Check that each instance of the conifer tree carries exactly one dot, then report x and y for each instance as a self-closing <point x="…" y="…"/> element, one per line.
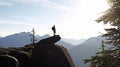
<point x="33" y="36"/>
<point x="101" y="59"/>
<point x="109" y="58"/>
<point x="112" y="17"/>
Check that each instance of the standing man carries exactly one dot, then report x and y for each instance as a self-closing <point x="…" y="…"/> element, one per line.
<point x="54" y="30"/>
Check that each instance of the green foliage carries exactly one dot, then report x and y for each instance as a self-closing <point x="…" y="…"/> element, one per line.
<point x="109" y="58"/>
<point x="113" y="35"/>
<point x="104" y="58"/>
<point x="112" y="16"/>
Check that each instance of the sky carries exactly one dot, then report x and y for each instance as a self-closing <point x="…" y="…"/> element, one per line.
<point x="72" y="18"/>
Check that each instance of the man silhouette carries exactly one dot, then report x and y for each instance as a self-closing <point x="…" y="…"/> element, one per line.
<point x="54" y="30"/>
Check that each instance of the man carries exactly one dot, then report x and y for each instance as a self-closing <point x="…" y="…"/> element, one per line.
<point x="54" y="30"/>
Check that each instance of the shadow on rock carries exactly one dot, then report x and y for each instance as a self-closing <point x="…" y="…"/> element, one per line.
<point x="47" y="54"/>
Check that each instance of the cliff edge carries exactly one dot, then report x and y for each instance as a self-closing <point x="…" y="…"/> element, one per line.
<point x="47" y="54"/>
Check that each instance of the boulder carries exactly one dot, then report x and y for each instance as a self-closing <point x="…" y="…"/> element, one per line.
<point x="47" y="54"/>
<point x="22" y="56"/>
<point x="8" y="61"/>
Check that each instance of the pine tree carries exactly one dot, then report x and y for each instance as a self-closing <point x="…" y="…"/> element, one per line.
<point x="112" y="17"/>
<point x="33" y="36"/>
<point x="109" y="58"/>
<point x="104" y="58"/>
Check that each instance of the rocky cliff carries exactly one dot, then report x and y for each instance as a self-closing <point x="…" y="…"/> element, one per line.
<point x="45" y="53"/>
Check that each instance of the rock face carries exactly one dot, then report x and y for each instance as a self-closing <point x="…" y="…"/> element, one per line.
<point x="21" y="57"/>
<point x="48" y="54"/>
<point x="45" y="53"/>
<point x="8" y="61"/>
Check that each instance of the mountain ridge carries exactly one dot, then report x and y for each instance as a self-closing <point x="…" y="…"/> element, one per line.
<point x="74" y="41"/>
<point x="85" y="50"/>
<point x="24" y="38"/>
<point x="78" y="52"/>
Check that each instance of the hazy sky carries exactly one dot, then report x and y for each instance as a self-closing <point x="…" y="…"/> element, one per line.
<point x="73" y="18"/>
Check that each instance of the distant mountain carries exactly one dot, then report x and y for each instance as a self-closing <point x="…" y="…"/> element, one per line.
<point x="78" y="53"/>
<point x="85" y="50"/>
<point x="65" y="44"/>
<point x="16" y="40"/>
<point x="24" y="38"/>
<point x="1" y="37"/>
<point x="74" y="41"/>
<point x="45" y="36"/>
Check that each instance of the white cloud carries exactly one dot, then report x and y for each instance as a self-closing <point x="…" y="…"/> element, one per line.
<point x="3" y="3"/>
<point x="73" y="21"/>
<point x="30" y="1"/>
<point x="16" y="23"/>
<point x="80" y="22"/>
<point x="44" y="3"/>
<point x="20" y="26"/>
